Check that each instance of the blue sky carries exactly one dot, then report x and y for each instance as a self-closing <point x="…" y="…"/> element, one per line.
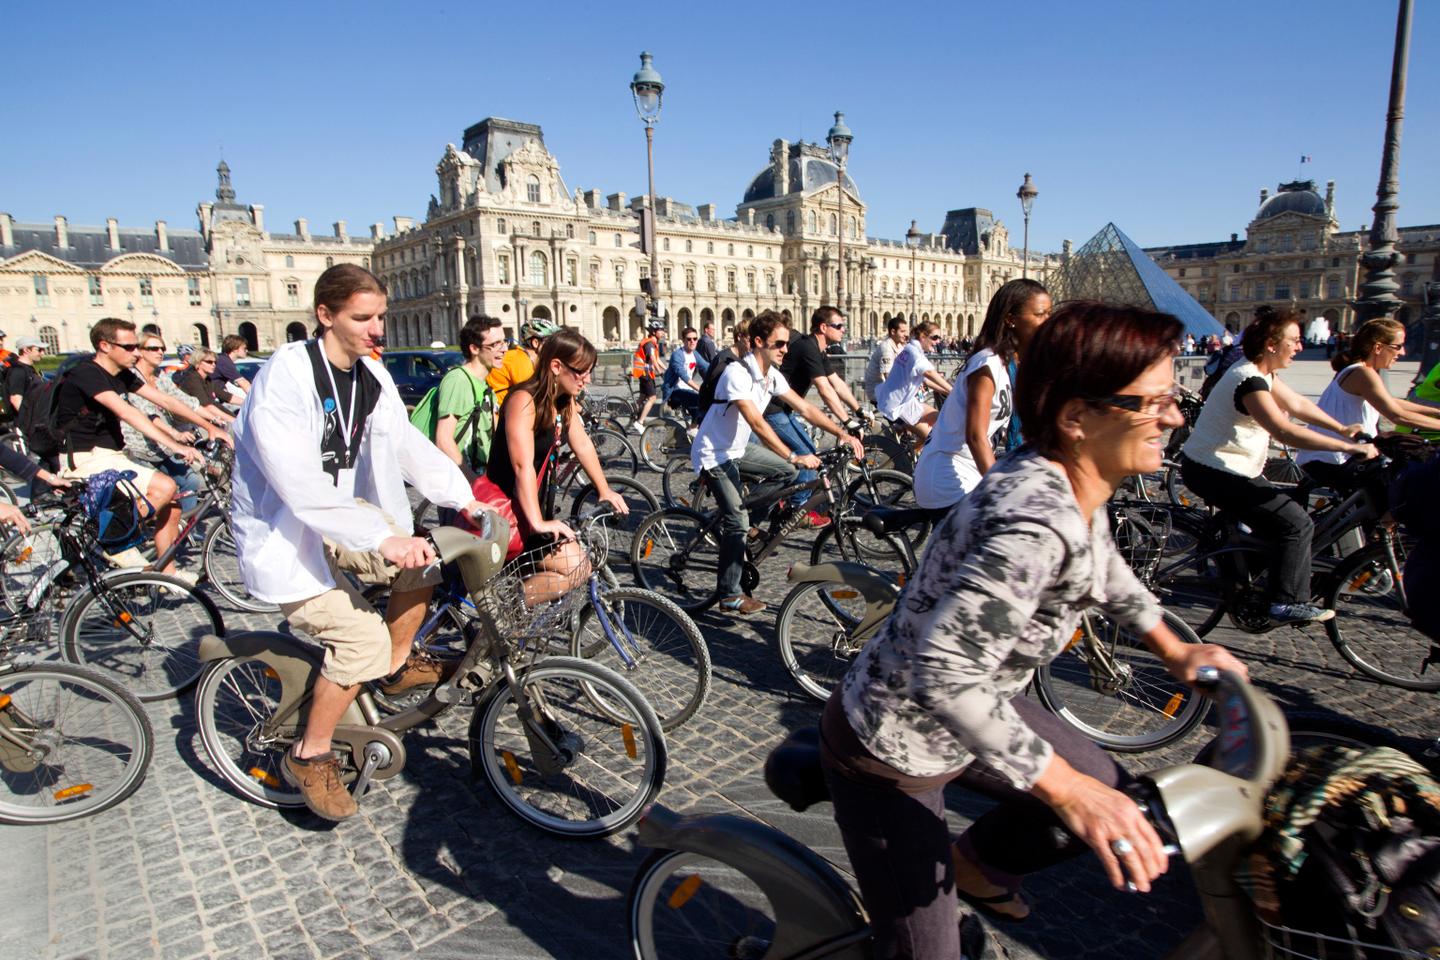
<point x="1166" y="118"/>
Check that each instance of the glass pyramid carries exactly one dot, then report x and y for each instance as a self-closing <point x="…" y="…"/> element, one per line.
<point x="1111" y="267"/>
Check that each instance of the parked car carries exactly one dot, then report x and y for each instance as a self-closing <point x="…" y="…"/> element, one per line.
<point x="416" y="371"/>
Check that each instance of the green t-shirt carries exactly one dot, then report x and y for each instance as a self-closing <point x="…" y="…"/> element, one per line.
<point x="460" y="390"/>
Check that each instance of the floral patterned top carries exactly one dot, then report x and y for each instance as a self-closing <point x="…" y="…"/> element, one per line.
<point x="137" y="445"/>
<point x="999" y="592"/>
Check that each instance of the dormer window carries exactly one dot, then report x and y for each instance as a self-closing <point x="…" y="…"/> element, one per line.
<point x="532" y="189"/>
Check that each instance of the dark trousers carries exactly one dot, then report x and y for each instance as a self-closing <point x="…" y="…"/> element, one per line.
<point x="1271" y="513"/>
<point x="894" y="830"/>
<point x="763" y="471"/>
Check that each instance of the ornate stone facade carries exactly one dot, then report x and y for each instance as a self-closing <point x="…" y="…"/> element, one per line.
<point x="194" y="286"/>
<point x="1294" y="252"/>
<point x="506" y="237"/>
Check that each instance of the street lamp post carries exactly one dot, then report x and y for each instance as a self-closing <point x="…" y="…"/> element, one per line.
<point x="1027" y="194"/>
<point x="647" y="88"/>
<point x="1377" y="298"/>
<point x="912" y="240"/>
<point x="839" y="139"/>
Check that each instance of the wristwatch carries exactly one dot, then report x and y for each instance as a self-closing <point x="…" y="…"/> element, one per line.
<point x="792" y="458"/>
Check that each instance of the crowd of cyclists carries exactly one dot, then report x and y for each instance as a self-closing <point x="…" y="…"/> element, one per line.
<point x="1051" y="411"/>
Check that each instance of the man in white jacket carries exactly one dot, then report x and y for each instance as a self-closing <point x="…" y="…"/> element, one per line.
<point x="323" y="451"/>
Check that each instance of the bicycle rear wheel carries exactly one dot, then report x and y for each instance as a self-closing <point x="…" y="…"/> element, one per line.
<point x="676" y="553"/>
<point x="141" y="629"/>
<point x="620" y="528"/>
<point x="617" y="456"/>
<point x="1193" y="589"/>
<point x="74" y="743"/>
<point x="669" y="660"/>
<point x="846" y="539"/>
<point x="1115" y="691"/>
<point x="813" y="631"/>
<point x="234" y="701"/>
<point x="686" y="906"/>
<point x="571" y="768"/>
<point x="1371" y="629"/>
<point x="221" y="562"/>
<point x="680" y="484"/>
<point x="662" y="438"/>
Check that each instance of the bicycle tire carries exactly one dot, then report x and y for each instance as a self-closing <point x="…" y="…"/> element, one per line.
<point x="24" y="558"/>
<point x="1192" y="588"/>
<point x="621" y="411"/>
<point x="617" y="456"/>
<point x="846" y="539"/>
<point x="670" y="659"/>
<point x="676" y="554"/>
<point x="812" y="633"/>
<point x="221" y="562"/>
<point x="1370" y="628"/>
<point x="545" y="792"/>
<point x="7" y="495"/>
<point x="680" y="484"/>
<point x="234" y="697"/>
<point x="619" y="527"/>
<point x="662" y="438"/>
<point x="721" y="912"/>
<point x="90" y="731"/>
<point x="1122" y="714"/>
<point x="891" y="488"/>
<point x="886" y="453"/>
<point x="99" y="626"/>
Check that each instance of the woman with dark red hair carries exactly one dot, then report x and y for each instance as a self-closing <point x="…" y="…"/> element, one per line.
<point x="938" y="696"/>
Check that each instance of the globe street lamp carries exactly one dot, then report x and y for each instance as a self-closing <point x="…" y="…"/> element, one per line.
<point x="912" y="240"/>
<point x="647" y="88"/>
<point x="1027" y="194"/>
<point x="839" y="139"/>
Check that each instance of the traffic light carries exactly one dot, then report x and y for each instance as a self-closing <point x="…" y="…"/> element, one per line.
<point x="646" y="229"/>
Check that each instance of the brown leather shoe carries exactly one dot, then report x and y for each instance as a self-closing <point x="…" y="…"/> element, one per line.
<point x="319" y="781"/>
<point x="742" y="605"/>
<point x="421" y="669"/>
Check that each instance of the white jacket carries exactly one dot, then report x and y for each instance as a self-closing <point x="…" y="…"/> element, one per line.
<point x="284" y="505"/>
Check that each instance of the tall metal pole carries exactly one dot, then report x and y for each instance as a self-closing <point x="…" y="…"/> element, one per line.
<point x="839" y="139"/>
<point x="1377" y="293"/>
<point x="1027" y="194"/>
<point x="912" y="237"/>
<point x="650" y="168"/>
<point x="840" y="228"/>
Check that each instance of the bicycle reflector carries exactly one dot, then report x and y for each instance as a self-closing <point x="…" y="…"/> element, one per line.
<point x="511" y="765"/>
<point x="682" y="894"/>
<point x="4" y="700"/>
<point x="70" y="793"/>
<point x="627" y="733"/>
<point x="1174" y="704"/>
<point x="265" y="777"/>
<point x="844" y="594"/>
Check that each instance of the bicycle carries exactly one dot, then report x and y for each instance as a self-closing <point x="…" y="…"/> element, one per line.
<point x="567" y="745"/>
<point x="637" y="633"/>
<point x="675" y="551"/>
<point x="73" y="743"/>
<point x="1226" y="576"/>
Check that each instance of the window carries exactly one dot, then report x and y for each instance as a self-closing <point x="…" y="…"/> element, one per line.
<point x="750" y="250"/>
<point x="644" y="270"/>
<point x="535" y="229"/>
<point x="1334" y="261"/>
<point x="689" y="246"/>
<point x="618" y="241"/>
<point x="51" y="337"/>
<point x="1259" y="289"/>
<point x="709" y="246"/>
<point x="502" y="267"/>
<point x="815" y="284"/>
<point x="1182" y="271"/>
<point x="147" y="292"/>
<point x="769" y="221"/>
<point x="242" y="292"/>
<point x="594" y="274"/>
<point x="709" y="279"/>
<point x="620" y="275"/>
<point x="665" y="243"/>
<point x="42" y="290"/>
<point x="532" y="189"/>
<point x="1307" y="242"/>
<point x="730" y="249"/>
<point x="592" y="238"/>
<point x="730" y="281"/>
<point x="689" y="278"/>
<point x="1287" y="242"/>
<point x="1264" y="244"/>
<point x="1234" y="291"/>
<point x="1407" y="285"/>
<point x="1306" y="263"/>
<point x="667" y="274"/>
<point x="570" y="272"/>
<point x="834" y="225"/>
<point x="569" y="231"/>
<point x="97" y="293"/>
<point x="770" y="284"/>
<point x="810" y="222"/>
<point x="289" y="260"/>
<point x="789" y="221"/>
<point x="1304" y="289"/>
<point x="749" y="281"/>
<point x="1332" y="288"/>
<point x="292" y="293"/>
<point x="537" y="269"/>
<point x="329" y="262"/>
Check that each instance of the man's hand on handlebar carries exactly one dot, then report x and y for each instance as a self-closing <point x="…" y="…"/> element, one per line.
<point x="1364" y="451"/>
<point x="186" y="452"/>
<point x="807" y="461"/>
<point x="855" y="445"/>
<point x="407" y="552"/>
<point x="11" y="516"/>
<point x="218" y="432"/>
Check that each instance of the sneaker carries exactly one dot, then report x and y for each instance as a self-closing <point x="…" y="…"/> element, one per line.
<point x="742" y="605"/>
<point x="319" y="782"/>
<point x="814" y="519"/>
<point x="420" y="669"/>
<point x="1299" y="613"/>
<point x="637" y="426"/>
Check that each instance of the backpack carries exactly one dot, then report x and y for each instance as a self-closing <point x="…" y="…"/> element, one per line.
<point x="426" y="416"/>
<point x="1217" y="364"/>
<point x="1351" y="849"/>
<point x="712" y="381"/>
<point x="119" y="509"/>
<point x="39" y="417"/>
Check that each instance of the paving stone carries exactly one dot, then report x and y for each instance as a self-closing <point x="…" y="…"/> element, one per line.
<point x="192" y="946"/>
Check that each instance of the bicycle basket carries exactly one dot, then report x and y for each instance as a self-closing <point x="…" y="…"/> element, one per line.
<point x="532" y="599"/>
<point x="1285" y="943"/>
<point x="119" y="509"/>
<point x="1140" y="531"/>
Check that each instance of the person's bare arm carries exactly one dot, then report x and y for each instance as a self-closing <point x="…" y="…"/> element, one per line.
<point x="111" y="401"/>
<point x="769" y="437"/>
<point x="584" y="450"/>
<point x="846" y="395"/>
<point x="1304" y="409"/>
<point x="831" y="397"/>
<point x="1262" y="406"/>
<point x="445" y="438"/>
<point x="182" y="410"/>
<point x="815" y="415"/>
<point x="1366" y="384"/>
<point x="979" y="394"/>
<point x="938" y="383"/>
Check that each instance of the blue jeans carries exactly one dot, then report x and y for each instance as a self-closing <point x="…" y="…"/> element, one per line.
<point x="761" y="469"/>
<point x="185" y="479"/>
<point x="794" y="435"/>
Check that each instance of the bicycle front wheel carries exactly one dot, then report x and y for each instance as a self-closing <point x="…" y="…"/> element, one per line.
<point x="815" y="631"/>
<point x="847" y="539"/>
<point x="676" y="553"/>
<point x="142" y="629"/>
<point x="680" y="484"/>
<point x="1371" y="628"/>
<point x="221" y="562"/>
<point x="664" y="655"/>
<point x="662" y="438"/>
<point x="72" y="743"/>
<point x="617" y="456"/>
<point x="686" y="906"/>
<point x="234" y="705"/>
<point x="559" y="761"/>
<point x="24" y="558"/>
<point x="1113" y="689"/>
<point x="619" y="527"/>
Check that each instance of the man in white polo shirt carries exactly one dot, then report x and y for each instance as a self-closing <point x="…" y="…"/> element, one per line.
<point x="744" y="390"/>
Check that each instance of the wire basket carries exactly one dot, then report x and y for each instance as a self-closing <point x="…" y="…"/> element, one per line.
<point x="529" y="600"/>
<point x="1140" y="530"/>
<point x="1285" y="943"/>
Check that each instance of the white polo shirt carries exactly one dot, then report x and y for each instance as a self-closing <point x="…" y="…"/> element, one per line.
<point x="724" y="433"/>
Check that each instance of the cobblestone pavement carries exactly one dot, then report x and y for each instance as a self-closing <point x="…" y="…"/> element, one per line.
<point x="435" y="867"/>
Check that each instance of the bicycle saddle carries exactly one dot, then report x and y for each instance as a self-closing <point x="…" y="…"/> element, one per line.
<point x="881" y="520"/>
<point x="792" y="771"/>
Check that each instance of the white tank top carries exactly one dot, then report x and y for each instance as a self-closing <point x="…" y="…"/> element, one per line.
<point x="1346" y="408"/>
<point x="1225" y="436"/>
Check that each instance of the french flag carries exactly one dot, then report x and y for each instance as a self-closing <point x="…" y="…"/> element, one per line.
<point x="1305" y="158"/>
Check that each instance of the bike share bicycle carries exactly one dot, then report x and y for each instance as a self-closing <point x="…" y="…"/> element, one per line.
<point x="568" y="745"/>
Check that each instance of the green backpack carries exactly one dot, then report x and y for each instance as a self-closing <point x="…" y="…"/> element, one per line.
<point x="426" y="415"/>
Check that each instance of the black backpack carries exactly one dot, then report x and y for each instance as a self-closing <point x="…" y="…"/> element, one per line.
<point x="712" y="381"/>
<point x="39" y="417"/>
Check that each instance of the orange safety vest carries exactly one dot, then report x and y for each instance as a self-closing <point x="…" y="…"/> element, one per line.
<point x="641" y="365"/>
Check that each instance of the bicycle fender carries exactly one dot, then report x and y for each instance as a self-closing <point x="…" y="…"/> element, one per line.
<point x="296" y="663"/>
<point x="802" y="887"/>
<point x="872" y="585"/>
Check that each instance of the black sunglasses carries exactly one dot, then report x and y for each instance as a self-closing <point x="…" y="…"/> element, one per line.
<point x="131" y="347"/>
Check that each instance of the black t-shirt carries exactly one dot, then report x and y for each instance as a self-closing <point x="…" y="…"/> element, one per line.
<point x="835" y="360"/>
<point x="89" y="424"/>
<point x="802" y="366"/>
<point x="357" y="404"/>
<point x="18" y="377"/>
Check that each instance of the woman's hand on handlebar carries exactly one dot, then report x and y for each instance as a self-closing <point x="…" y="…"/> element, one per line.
<point x="615" y="500"/>
<point x="558" y="529"/>
<point x="1108" y="821"/>
<point x="407" y="552"/>
<point x="1190" y="657"/>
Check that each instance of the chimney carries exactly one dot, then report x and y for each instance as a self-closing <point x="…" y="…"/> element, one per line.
<point x="403" y="224"/>
<point x="62" y="234"/>
<point x="377" y="231"/>
<point x="1234" y="237"/>
<point x="592" y="199"/>
<point x="1330" y="199"/>
<point x="750" y="216"/>
<point x="616" y="201"/>
<point x="340" y="232"/>
<point x="206" y="210"/>
<point x="7" y="231"/>
<point x="706" y="212"/>
<point x="302" y="227"/>
<point x="780" y="163"/>
<point x="1264" y="195"/>
<point x="257" y="216"/>
<point x="162" y="236"/>
<point x="112" y="229"/>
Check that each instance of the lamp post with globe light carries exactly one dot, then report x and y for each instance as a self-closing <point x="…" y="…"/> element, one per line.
<point x="1027" y="194"/>
<point x="912" y="240"/>
<point x="839" y="139"/>
<point x="647" y="88"/>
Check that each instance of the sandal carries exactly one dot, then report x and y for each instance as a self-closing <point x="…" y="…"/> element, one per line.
<point x="990" y="904"/>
